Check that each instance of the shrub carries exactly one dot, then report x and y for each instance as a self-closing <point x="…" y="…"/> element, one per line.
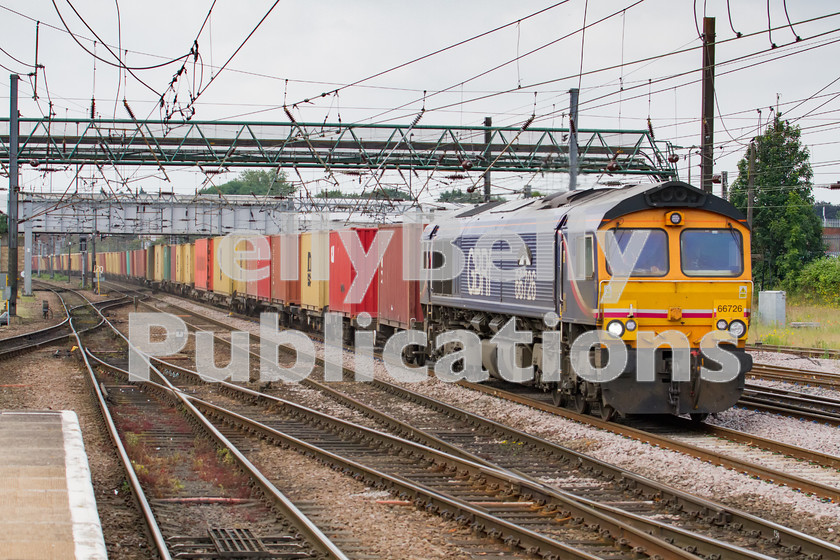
<point x="819" y="281"/>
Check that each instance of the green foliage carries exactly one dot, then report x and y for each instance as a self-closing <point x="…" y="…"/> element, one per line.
<point x="4" y="227"/>
<point x="818" y="282"/>
<point x="259" y="182"/>
<point x="787" y="233"/>
<point x="457" y="195"/>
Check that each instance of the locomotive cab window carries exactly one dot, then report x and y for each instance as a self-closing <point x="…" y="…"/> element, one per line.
<point x="711" y="252"/>
<point x="584" y="257"/>
<point x="653" y="258"/>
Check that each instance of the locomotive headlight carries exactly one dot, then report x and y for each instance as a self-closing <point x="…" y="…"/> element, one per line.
<point x="673" y="218"/>
<point x="738" y="328"/>
<point x="631" y="325"/>
<point x="721" y="324"/>
<point x="615" y="328"/>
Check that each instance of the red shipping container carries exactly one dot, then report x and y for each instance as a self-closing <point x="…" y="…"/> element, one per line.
<point x="173" y="253"/>
<point x="204" y="264"/>
<point x="399" y="298"/>
<point x="343" y="273"/>
<point x="257" y="265"/>
<point x="285" y="256"/>
<point x="141" y="263"/>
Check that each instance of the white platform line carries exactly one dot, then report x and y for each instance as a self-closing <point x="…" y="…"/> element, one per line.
<point x="87" y="530"/>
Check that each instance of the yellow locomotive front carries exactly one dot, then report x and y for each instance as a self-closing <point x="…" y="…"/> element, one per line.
<point x="685" y="295"/>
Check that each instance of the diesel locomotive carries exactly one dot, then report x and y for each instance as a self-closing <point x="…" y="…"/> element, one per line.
<point x="678" y="266"/>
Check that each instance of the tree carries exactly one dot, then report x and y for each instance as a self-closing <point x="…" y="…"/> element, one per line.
<point x="457" y="195"/>
<point x="4" y="228"/>
<point x="258" y="182"/>
<point x="786" y="232"/>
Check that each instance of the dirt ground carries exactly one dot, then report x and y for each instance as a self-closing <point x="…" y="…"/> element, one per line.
<point x="29" y="314"/>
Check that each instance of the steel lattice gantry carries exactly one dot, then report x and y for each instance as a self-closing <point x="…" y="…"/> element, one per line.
<point x="221" y="144"/>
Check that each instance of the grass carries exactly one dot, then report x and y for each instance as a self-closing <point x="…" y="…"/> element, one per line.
<point x="827" y="335"/>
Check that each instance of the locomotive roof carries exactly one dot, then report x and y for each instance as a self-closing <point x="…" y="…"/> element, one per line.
<point x="590" y="207"/>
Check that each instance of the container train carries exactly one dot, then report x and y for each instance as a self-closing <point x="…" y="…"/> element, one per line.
<point x="557" y="264"/>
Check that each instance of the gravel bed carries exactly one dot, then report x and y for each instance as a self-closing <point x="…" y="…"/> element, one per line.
<point x="810" y="435"/>
<point x="783" y="505"/>
<point x="59" y="384"/>
<point x="793" y="361"/>
<point x="392" y="532"/>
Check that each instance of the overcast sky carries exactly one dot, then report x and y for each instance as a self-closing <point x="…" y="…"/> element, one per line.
<point x="306" y="48"/>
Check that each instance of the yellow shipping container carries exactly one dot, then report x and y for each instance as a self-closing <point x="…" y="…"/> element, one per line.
<point x="184" y="263"/>
<point x="222" y="261"/>
<point x="314" y="270"/>
<point x="240" y="286"/>
<point x="189" y="265"/>
<point x="159" y="257"/>
<point x="179" y="263"/>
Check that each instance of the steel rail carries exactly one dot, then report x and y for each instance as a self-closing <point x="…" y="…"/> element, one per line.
<point x="653" y="488"/>
<point x="154" y="532"/>
<point x="313" y="535"/>
<point x="23" y="342"/>
<point x="798" y="376"/>
<point x="800" y="351"/>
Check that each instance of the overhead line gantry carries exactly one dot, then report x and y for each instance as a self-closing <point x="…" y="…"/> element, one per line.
<point x="339" y="146"/>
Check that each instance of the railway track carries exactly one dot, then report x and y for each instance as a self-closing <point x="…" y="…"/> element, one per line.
<point x="464" y="442"/>
<point x="153" y="438"/>
<point x="16" y="345"/>
<point x="792" y="403"/>
<point x="796" y="376"/>
<point x="797" y="350"/>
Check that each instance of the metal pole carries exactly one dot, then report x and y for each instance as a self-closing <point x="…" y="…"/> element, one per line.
<point x="707" y="122"/>
<point x="488" y="136"/>
<point x="724" y="185"/>
<point x="93" y="251"/>
<point x="27" y="257"/>
<point x="751" y="184"/>
<point x="14" y="188"/>
<point x="83" y="260"/>
<point x="573" y="145"/>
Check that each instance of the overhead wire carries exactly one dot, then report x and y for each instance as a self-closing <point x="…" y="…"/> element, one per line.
<point x="438" y="51"/>
<point x="613" y="67"/>
<point x="93" y="54"/>
<point x="239" y="48"/>
<point x="583" y="38"/>
<point x="506" y="63"/>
